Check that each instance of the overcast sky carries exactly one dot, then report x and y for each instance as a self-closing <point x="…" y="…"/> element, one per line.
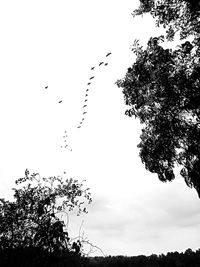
<point x="55" y="44"/>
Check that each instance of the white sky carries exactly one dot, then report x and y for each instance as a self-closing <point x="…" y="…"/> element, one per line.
<point x="55" y="43"/>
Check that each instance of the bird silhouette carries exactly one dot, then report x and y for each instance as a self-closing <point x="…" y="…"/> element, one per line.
<point x="86" y="95"/>
<point x="85" y="100"/>
<point x="91" y="77"/>
<point x="60" y="101"/>
<point x="88" y="83"/>
<point x="79" y="127"/>
<point x="92" y="68"/>
<point x="105" y="64"/>
<point x="101" y="63"/>
<point x="84" y="106"/>
<point x="87" y="90"/>
<point x="84" y="112"/>
<point x="46" y="87"/>
<point x="108" y="54"/>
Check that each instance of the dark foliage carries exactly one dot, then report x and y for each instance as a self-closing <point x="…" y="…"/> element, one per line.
<point x="162" y="89"/>
<point x="174" y="15"/>
<point x="31" y="230"/>
<point x="172" y="259"/>
<point x="36" y="257"/>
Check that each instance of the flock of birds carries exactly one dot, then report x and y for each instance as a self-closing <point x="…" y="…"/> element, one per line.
<point x="85" y="105"/>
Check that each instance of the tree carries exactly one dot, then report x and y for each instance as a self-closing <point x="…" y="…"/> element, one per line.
<point x="33" y="219"/>
<point x="162" y="89"/>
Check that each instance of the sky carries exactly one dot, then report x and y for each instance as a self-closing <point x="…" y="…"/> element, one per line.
<point x="55" y="44"/>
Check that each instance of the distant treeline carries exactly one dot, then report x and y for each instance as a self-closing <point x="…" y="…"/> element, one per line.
<point x="34" y="257"/>
<point x="172" y="259"/>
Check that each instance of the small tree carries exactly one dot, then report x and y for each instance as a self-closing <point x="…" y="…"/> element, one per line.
<point x="33" y="219"/>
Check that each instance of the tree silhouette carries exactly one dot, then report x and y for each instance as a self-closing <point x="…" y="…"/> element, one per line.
<point x="162" y="89"/>
<point x="33" y="219"/>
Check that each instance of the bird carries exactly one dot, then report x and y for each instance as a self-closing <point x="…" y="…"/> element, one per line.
<point x="46" y="87"/>
<point x="84" y="106"/>
<point x="79" y="127"/>
<point x="84" y="112"/>
<point x="105" y="64"/>
<point x="88" y="83"/>
<point x="101" y="63"/>
<point x="92" y="68"/>
<point x="86" y="95"/>
<point x="85" y="100"/>
<point x="87" y="90"/>
<point x="91" y="77"/>
<point x="82" y="119"/>
<point x="108" y="54"/>
<point x="60" y="101"/>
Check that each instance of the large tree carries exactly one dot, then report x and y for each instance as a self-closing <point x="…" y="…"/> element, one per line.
<point x="162" y="89"/>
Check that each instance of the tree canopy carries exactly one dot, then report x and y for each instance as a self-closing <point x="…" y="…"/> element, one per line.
<point x="162" y="89"/>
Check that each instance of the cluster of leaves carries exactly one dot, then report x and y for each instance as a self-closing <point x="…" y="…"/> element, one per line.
<point x="162" y="89"/>
<point x="33" y="219"/>
<point x="174" y="15"/>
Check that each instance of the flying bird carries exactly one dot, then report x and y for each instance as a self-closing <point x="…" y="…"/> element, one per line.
<point x="88" y="83"/>
<point x="79" y="127"/>
<point x="85" y="100"/>
<point x="84" y="112"/>
<point x="86" y="95"/>
<point x="84" y="106"/>
<point x="91" y="77"/>
<point x="105" y="64"/>
<point x="92" y="68"/>
<point x="46" y="87"/>
<point x="100" y="63"/>
<point x="108" y="54"/>
<point x="87" y="90"/>
<point x="60" y="101"/>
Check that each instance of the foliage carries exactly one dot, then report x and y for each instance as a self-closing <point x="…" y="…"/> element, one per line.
<point x="174" y="15"/>
<point x="33" y="219"/>
<point x="162" y="90"/>
<point x="171" y="259"/>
